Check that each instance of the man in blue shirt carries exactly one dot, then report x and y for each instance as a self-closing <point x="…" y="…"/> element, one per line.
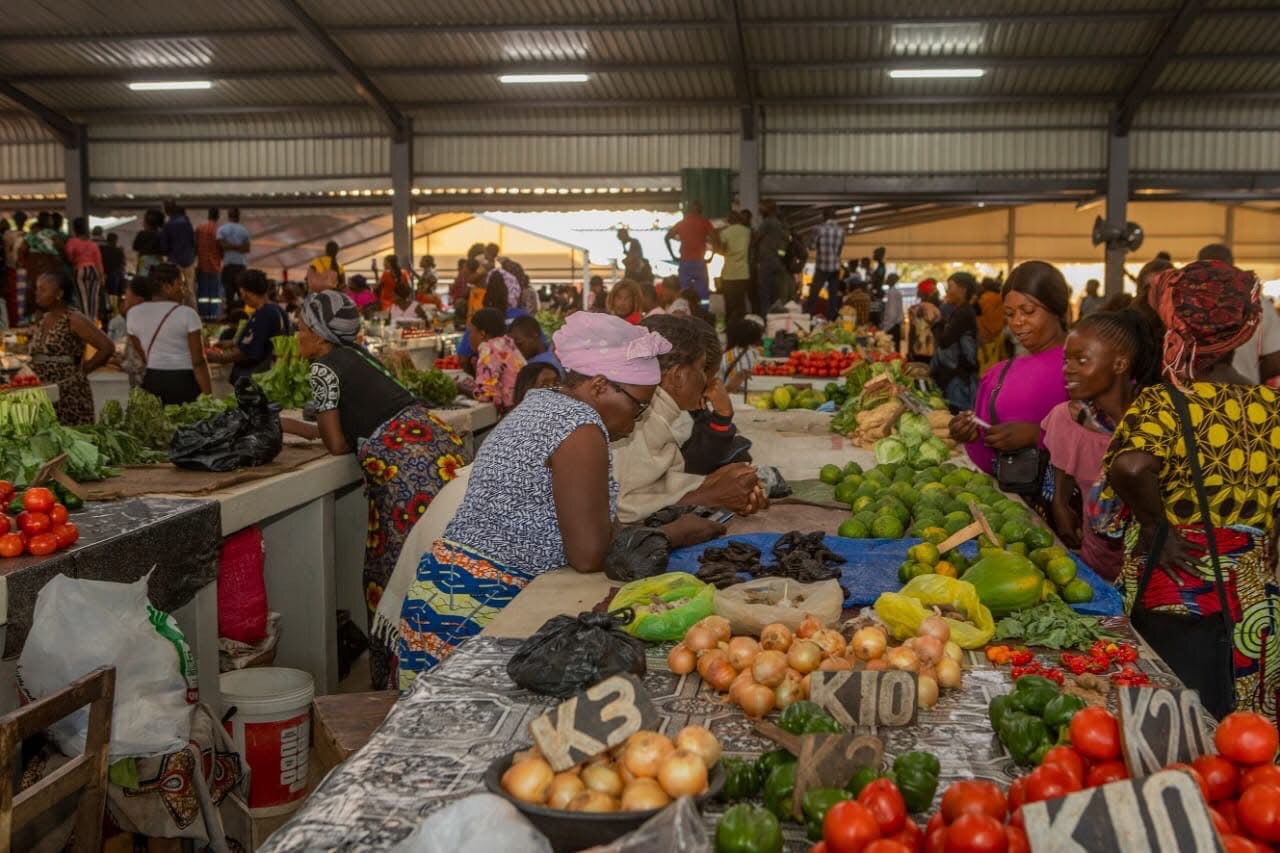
<point x="178" y="242"/>
<point x="233" y="238"/>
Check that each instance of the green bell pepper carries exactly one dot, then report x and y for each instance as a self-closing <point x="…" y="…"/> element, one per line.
<point x="748" y="829"/>
<point x="998" y="707"/>
<point x="1028" y="681"/>
<point x="741" y="779"/>
<point x="72" y="502"/>
<point x="807" y="718"/>
<point x="1032" y="700"/>
<point x="778" y="789"/>
<point x="1061" y="708"/>
<point x="917" y="776"/>
<point x="815" y="805"/>
<point x="862" y="779"/>
<point x="766" y="763"/>
<point x="1024" y="735"/>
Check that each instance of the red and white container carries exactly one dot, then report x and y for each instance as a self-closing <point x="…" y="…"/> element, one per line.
<point x="271" y="728"/>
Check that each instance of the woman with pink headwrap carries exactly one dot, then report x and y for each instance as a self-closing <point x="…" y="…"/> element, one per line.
<point x="541" y="493"/>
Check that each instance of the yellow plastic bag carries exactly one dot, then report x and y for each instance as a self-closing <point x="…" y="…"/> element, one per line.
<point x="666" y="606"/>
<point x="904" y="611"/>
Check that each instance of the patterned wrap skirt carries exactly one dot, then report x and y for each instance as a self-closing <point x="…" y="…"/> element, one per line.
<point x="405" y="463"/>
<point x="456" y="593"/>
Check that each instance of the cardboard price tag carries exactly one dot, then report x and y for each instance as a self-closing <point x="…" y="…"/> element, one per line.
<point x="866" y="699"/>
<point x="597" y="719"/>
<point x="1159" y="727"/>
<point x="824" y="760"/>
<point x="1164" y="812"/>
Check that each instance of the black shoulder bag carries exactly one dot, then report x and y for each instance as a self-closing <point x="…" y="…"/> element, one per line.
<point x="1197" y="648"/>
<point x="1018" y="471"/>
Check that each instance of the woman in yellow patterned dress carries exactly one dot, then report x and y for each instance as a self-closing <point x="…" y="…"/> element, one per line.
<point x="1208" y="309"/>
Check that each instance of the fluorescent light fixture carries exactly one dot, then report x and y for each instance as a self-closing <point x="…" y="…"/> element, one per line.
<point x="170" y="85"/>
<point x="544" y="78"/>
<point x="935" y="73"/>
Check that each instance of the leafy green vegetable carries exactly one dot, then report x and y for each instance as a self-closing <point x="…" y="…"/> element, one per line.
<point x="890" y="450"/>
<point x="433" y="387"/>
<point x="1051" y="624"/>
<point x="30" y="435"/>
<point x="550" y="321"/>
<point x="288" y="382"/>
<point x="201" y="409"/>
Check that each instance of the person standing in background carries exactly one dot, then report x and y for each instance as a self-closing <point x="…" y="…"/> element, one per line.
<point x="1092" y="302"/>
<point x="392" y="277"/>
<point x="209" y="268"/>
<point x="13" y="239"/>
<point x="85" y="260"/>
<point x="992" y="341"/>
<point x="233" y="242"/>
<point x="634" y="265"/>
<point x="178" y="240"/>
<point x="770" y="242"/>
<point x="325" y="273"/>
<point x="891" y="322"/>
<point x="43" y="255"/>
<point x="828" y="241"/>
<point x="458" y="295"/>
<point x="695" y="232"/>
<point x="735" y="278"/>
<point x="146" y="243"/>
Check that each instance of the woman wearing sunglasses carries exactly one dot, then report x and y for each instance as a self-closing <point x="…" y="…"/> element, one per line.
<point x="541" y="493"/>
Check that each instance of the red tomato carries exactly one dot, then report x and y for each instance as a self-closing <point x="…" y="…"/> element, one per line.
<point x="976" y="833"/>
<point x="1017" y="792"/>
<point x="1095" y="734"/>
<point x="6" y="491"/>
<point x="42" y="544"/>
<point x="11" y="545"/>
<point x="887" y="845"/>
<point x="936" y="841"/>
<point x="38" y="499"/>
<point x="1261" y="773"/>
<point x="65" y="534"/>
<point x="6" y="524"/>
<point x="1246" y="738"/>
<point x="1016" y="839"/>
<point x="58" y="514"/>
<point x="1104" y="773"/>
<point x="1220" y="824"/>
<point x="1220" y="776"/>
<point x="935" y="823"/>
<point x="884" y="800"/>
<point x="1227" y="808"/>
<point x="1240" y="844"/>
<point x="910" y="836"/>
<point x="1016" y="819"/>
<point x="1258" y="811"/>
<point x="849" y="827"/>
<point x="1049" y="782"/>
<point x="820" y="847"/>
<point x="1194" y="774"/>
<point x="1067" y="759"/>
<point x="33" y="523"/>
<point x="971" y="796"/>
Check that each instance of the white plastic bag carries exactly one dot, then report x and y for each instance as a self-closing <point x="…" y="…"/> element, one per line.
<point x="80" y="625"/>
<point x="481" y="823"/>
<point x="752" y="605"/>
<point x="678" y="828"/>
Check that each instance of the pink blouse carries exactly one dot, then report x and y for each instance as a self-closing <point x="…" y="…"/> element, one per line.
<point x="1032" y="388"/>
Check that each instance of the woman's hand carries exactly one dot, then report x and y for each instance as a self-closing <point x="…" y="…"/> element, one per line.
<point x="1173" y="555"/>
<point x="1067" y="523"/>
<point x="731" y="487"/>
<point x="1012" y="436"/>
<point x="692" y="529"/>
<point x="963" y="428"/>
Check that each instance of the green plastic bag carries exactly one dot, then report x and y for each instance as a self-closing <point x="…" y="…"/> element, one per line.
<point x="681" y="601"/>
<point x="904" y="611"/>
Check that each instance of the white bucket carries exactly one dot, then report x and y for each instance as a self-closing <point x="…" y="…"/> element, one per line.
<point x="271" y="728"/>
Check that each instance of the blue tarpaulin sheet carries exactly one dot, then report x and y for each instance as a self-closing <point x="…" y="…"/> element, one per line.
<point x="872" y="568"/>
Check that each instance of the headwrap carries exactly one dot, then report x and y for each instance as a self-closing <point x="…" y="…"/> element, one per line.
<point x="332" y="315"/>
<point x="926" y="287"/>
<point x="605" y="345"/>
<point x="1208" y="309"/>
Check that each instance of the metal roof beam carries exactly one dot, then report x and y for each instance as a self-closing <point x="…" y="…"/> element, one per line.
<point x="334" y="55"/>
<point x="1157" y="60"/>
<point x="68" y="132"/>
<point x="731" y="18"/>
<point x="1099" y="16"/>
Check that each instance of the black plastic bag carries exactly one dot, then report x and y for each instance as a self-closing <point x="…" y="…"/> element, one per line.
<point x="243" y="437"/>
<point x="571" y="653"/>
<point x="637" y="552"/>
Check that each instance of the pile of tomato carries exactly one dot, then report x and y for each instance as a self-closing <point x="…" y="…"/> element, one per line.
<point x="823" y="364"/>
<point x="40" y="527"/>
<point x="449" y="362"/>
<point x="28" y="380"/>
<point x="774" y="368"/>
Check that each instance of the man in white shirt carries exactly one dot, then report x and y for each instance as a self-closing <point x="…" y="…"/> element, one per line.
<point x="892" y="320"/>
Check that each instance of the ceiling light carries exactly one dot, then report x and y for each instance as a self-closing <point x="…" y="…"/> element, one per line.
<point x="935" y="73"/>
<point x="544" y="78"/>
<point x="170" y="85"/>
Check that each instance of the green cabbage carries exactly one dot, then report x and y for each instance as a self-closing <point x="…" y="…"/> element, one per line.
<point x="933" y="450"/>
<point x="890" y="451"/>
<point x="913" y="429"/>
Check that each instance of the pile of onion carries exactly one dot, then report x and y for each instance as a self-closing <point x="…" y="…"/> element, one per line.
<point x="646" y="772"/>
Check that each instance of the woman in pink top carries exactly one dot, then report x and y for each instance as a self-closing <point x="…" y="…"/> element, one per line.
<point x="1107" y="358"/>
<point x="1015" y="396"/>
<point x="498" y="360"/>
<point x="85" y="259"/>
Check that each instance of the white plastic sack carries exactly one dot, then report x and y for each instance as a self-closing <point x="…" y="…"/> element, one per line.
<point x="80" y="625"/>
<point x="751" y="606"/>
<point x="481" y="823"/>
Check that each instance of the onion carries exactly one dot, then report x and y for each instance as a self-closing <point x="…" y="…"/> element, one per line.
<point x="531" y="752"/>
<point x="869" y="643"/>
<point x="719" y="627"/>
<point x="948" y="673"/>
<point x="927" y="691"/>
<point x="769" y="667"/>
<point x="529" y="780"/>
<point x="928" y="649"/>
<point x="744" y="679"/>
<point x="756" y="700"/>
<point x="952" y="650"/>
<point x="707" y="659"/>
<point x="808" y="627"/>
<point x="700" y="741"/>
<point x="700" y="638"/>
<point x="776" y="637"/>
<point x="645" y="751"/>
<point x="902" y="658"/>
<point x="719" y="674"/>
<point x="934" y="626"/>
<point x="835" y="664"/>
<point x="877" y="665"/>
<point x="593" y="801"/>
<point x="804" y="656"/>
<point x="831" y="642"/>
<point x="789" y="691"/>
<point x="643" y="795"/>
<point x="604" y="779"/>
<point x="564" y="787"/>
<point x="804" y="686"/>
<point x="683" y="774"/>
<point x="927" y="671"/>
<point x="742" y="651"/>
<point x="627" y="776"/>
<point x="681" y="659"/>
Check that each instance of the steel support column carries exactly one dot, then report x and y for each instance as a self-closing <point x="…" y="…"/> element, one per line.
<point x="1117" y="206"/>
<point x="75" y="173"/>
<point x="749" y="175"/>
<point x="402" y="199"/>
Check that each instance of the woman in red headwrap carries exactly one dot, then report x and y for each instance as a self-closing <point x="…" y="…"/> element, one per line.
<point x="1216" y="582"/>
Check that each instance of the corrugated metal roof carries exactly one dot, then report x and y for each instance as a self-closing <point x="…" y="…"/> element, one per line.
<point x="112" y="17"/>
<point x="278" y="89"/>
<point x="187" y="54"/>
<point x="366" y="12"/>
<point x="515" y="122"/>
<point x="894" y="9"/>
<point x="817" y="118"/>
<point x="715" y="84"/>
<point x="1100" y="80"/>
<point x="1219" y="77"/>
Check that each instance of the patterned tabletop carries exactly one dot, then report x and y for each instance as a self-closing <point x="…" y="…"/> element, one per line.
<point x="440" y="738"/>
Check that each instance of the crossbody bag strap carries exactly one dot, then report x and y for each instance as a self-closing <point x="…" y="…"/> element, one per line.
<point x="156" y="333"/>
<point x="1197" y="479"/>
<point x="991" y="403"/>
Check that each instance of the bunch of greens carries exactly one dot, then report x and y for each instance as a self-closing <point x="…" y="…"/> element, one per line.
<point x="144" y="419"/>
<point x="433" y="387"/>
<point x="120" y="447"/>
<point x="30" y="435"/>
<point x="1051" y="624"/>
<point x="550" y="321"/>
<point x="201" y="409"/>
<point x="288" y="382"/>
